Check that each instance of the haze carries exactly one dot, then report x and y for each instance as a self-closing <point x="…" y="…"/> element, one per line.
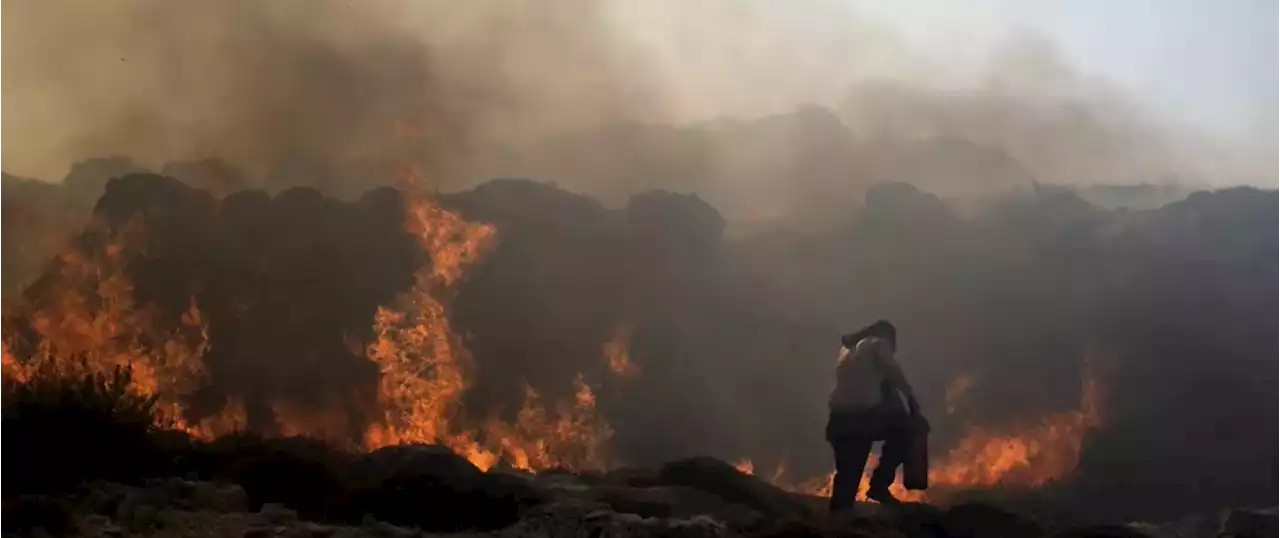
<point x="158" y="82"/>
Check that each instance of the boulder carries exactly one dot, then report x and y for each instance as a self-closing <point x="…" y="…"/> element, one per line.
<point x="720" y="478"/>
<point x="447" y="502"/>
<point x="306" y="475"/>
<point x="415" y="460"/>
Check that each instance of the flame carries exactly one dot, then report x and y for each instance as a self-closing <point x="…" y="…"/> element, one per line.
<point x="616" y="351"/>
<point x="575" y="438"/>
<point x="822" y="485"/>
<point x="326" y="421"/>
<point x="424" y="365"/>
<point x="1032" y="457"/>
<point x="232" y="418"/>
<point x="93" y="325"/>
<point x="420" y="358"/>
<point x="1027" y="458"/>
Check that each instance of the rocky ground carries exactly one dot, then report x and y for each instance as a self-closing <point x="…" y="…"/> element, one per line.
<point x="428" y="491"/>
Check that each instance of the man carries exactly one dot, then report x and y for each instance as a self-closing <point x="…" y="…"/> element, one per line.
<point x="864" y="408"/>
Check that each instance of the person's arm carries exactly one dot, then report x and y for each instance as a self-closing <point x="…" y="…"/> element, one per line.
<point x="893" y="372"/>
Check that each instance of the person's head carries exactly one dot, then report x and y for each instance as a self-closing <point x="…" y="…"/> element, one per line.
<point x="881" y="329"/>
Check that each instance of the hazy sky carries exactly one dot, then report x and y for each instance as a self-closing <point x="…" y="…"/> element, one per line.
<point x="1212" y="63"/>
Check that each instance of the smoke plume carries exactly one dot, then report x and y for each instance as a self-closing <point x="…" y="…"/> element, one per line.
<point x="716" y="197"/>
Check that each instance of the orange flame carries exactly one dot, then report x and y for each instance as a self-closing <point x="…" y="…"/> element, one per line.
<point x="822" y="485"/>
<point x="1028" y="458"/>
<point x="424" y="365"/>
<point x="616" y="351"/>
<point x="93" y="325"/>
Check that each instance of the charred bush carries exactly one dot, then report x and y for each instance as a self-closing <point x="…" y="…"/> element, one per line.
<point x="65" y="428"/>
<point x="305" y="475"/>
<point x="430" y="487"/>
<point x="440" y="504"/>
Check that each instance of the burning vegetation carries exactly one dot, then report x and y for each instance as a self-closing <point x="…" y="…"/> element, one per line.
<point x="91" y="324"/>
<point x="487" y="322"/>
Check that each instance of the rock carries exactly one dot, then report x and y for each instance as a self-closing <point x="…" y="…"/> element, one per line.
<point x="103" y="498"/>
<point x="171" y="493"/>
<point x="978" y="520"/>
<point x="278" y="514"/>
<point x="411" y="460"/>
<point x="434" y="503"/>
<point x="308" y="529"/>
<point x="1246" y="523"/>
<point x="221" y="499"/>
<point x="306" y="475"/>
<point x="596" y="520"/>
<point x="676" y="502"/>
<point x="720" y="478"/>
<point x="143" y="518"/>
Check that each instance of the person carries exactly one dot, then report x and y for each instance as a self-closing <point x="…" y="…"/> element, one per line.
<point x="865" y="407"/>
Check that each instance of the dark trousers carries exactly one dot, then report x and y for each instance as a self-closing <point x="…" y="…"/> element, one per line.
<point x="852" y="452"/>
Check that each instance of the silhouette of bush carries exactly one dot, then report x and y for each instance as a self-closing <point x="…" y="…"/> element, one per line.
<point x="306" y="475"/>
<point x="67" y="427"/>
<point x="445" y="504"/>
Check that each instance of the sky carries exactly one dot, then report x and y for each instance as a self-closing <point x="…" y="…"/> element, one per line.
<point x="1212" y="64"/>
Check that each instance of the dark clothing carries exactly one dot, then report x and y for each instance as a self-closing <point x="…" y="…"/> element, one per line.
<point x="851" y="434"/>
<point x="851" y="457"/>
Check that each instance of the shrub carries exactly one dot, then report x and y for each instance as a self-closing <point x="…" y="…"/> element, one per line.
<point x="63" y="428"/>
<point x="305" y="475"/>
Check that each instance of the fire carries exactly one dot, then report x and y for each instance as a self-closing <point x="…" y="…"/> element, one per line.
<point x="616" y="351"/>
<point x="1028" y="458"/>
<point x="425" y="366"/>
<point x="232" y="418"/>
<point x="575" y="438"/>
<point x="326" y="421"/>
<point x="822" y="485"/>
<point x="92" y="324"/>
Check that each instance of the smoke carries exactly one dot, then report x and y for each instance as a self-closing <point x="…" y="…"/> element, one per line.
<point x="837" y="177"/>
<point x="608" y="98"/>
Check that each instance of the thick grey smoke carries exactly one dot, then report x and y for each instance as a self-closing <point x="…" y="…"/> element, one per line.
<point x="608" y="98"/>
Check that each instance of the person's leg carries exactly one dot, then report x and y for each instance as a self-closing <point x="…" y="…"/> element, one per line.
<point x="892" y="454"/>
<point x="851" y="456"/>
